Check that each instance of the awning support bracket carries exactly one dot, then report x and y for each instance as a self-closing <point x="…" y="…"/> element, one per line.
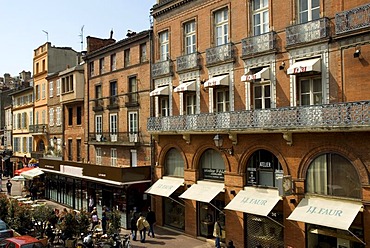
<point x="177" y="201"/>
<point x="275" y="221"/>
<point x="354" y="235"/>
<point x="217" y="208"/>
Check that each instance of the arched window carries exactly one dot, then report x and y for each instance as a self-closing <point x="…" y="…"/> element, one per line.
<point x="332" y="174"/>
<point x="212" y="165"/>
<point x="263" y="169"/>
<point x="174" y="164"/>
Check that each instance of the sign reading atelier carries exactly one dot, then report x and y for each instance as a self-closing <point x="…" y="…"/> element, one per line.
<point x="326" y="212"/>
<point x="252" y="200"/>
<point x="165" y="187"/>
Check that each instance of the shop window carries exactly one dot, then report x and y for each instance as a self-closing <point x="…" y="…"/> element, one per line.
<point x="174" y="213"/>
<point x="208" y="214"/>
<point x="174" y="164"/>
<point x="264" y="169"/>
<point x="212" y="166"/>
<point x="332" y="174"/>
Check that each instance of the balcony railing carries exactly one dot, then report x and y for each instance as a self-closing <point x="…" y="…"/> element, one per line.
<point x="119" y="137"/>
<point x="38" y="128"/>
<point x="98" y="105"/>
<point x="132" y="99"/>
<point x="307" y="32"/>
<point x="258" y="44"/>
<point x="220" y="54"/>
<point x="333" y="116"/>
<point x="188" y="62"/>
<point x="353" y="19"/>
<point x="113" y="102"/>
<point x="162" y="68"/>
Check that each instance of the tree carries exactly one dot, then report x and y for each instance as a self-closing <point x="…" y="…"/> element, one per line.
<point x="20" y="217"/>
<point x="4" y="205"/>
<point x="41" y="215"/>
<point x="114" y="218"/>
<point x="84" y="221"/>
<point x="69" y="225"/>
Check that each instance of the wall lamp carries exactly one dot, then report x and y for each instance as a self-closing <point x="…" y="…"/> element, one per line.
<point x="233" y="192"/>
<point x="357" y="52"/>
<point x="218" y="143"/>
<point x="282" y="66"/>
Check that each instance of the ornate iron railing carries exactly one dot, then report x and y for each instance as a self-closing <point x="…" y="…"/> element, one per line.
<point x="219" y="54"/>
<point x="38" y="128"/>
<point x="98" y="104"/>
<point x="188" y="62"/>
<point x="120" y="137"/>
<point x="352" y="19"/>
<point x="339" y="115"/>
<point x="307" y="32"/>
<point x="260" y="43"/>
<point x="162" y="68"/>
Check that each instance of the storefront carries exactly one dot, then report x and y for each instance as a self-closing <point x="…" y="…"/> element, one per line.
<point x="331" y="222"/>
<point x="72" y="184"/>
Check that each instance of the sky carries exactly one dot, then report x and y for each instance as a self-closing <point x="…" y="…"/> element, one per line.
<point x="25" y="25"/>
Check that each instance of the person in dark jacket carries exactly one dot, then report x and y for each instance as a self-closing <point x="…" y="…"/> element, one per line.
<point x="104" y="221"/>
<point x="150" y="217"/>
<point x="133" y="220"/>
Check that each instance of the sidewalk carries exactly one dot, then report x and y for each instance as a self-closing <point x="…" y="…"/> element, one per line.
<point x="163" y="236"/>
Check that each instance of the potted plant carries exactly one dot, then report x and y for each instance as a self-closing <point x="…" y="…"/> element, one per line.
<point x="69" y="228"/>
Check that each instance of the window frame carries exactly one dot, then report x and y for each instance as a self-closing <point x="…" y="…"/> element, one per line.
<point x="263" y="25"/>
<point x="164" y="45"/>
<point x="222" y="25"/>
<point x="190" y="37"/>
<point x="310" y="9"/>
<point x="311" y="93"/>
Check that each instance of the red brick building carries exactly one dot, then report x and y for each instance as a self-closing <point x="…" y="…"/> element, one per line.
<point x="284" y="85"/>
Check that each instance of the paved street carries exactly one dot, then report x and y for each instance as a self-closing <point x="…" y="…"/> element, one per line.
<point x="164" y="237"/>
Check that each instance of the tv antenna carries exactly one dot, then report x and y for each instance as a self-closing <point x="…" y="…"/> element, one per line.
<point x="82" y="37"/>
<point x="47" y="35"/>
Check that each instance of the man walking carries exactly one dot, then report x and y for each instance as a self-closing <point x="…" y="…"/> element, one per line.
<point x="9" y="187"/>
<point x="150" y="217"/>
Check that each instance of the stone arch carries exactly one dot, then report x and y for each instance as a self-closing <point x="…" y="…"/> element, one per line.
<point x="163" y="153"/>
<point x="198" y="154"/>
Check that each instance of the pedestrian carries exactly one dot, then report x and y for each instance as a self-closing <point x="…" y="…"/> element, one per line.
<point x="34" y="191"/>
<point x="150" y="217"/>
<point x="217" y="231"/>
<point x="230" y="244"/>
<point x="25" y="161"/>
<point x="91" y="203"/>
<point x="142" y="224"/>
<point x="104" y="221"/>
<point x="133" y="220"/>
<point x="94" y="218"/>
<point x="1" y="183"/>
<point x="9" y="187"/>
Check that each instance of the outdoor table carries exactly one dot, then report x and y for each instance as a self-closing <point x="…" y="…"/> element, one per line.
<point x="23" y="199"/>
<point x="27" y="202"/>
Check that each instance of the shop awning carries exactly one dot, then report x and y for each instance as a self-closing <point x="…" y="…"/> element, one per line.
<point x="165" y="187"/>
<point x="217" y="81"/>
<point x="188" y="86"/>
<point x="305" y="66"/>
<point x="6" y="158"/>
<point x="18" y="172"/>
<point x="203" y="192"/>
<point x="263" y="74"/>
<point x="30" y="174"/>
<point x="258" y="201"/>
<point x="160" y="91"/>
<point x="333" y="213"/>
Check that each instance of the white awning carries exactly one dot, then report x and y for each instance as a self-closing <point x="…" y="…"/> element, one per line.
<point x="333" y="213"/>
<point x="30" y="174"/>
<point x="165" y="187"/>
<point x="263" y="74"/>
<point x="203" y="192"/>
<point x="160" y="91"/>
<point x="259" y="201"/>
<point x="189" y="86"/>
<point x="305" y="66"/>
<point x="217" y="81"/>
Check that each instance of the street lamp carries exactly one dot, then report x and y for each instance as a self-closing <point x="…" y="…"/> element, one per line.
<point x="219" y="142"/>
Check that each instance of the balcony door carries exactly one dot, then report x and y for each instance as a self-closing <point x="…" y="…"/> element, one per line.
<point x="113" y="127"/>
<point x="98" y="127"/>
<point x="133" y="127"/>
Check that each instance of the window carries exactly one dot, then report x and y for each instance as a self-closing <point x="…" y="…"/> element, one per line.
<point x="43" y="116"/>
<point x="132" y="87"/>
<point x="98" y="156"/>
<point x="37" y="92"/>
<point x="263" y="168"/>
<point x="308" y="10"/>
<point x="190" y="103"/>
<point x="51" y="117"/>
<point x="51" y="89"/>
<point x="133" y="158"/>
<point x="43" y="91"/>
<point x="222" y="100"/>
<point x="113" y="127"/>
<point x="101" y="65"/>
<point x="98" y="127"/>
<point x="113" y="157"/>
<point x="143" y="56"/>
<point x="37" y="68"/>
<point x="79" y="150"/>
<point x="221" y="20"/>
<point x="91" y="67"/>
<point x="126" y="57"/>
<point x="70" y="116"/>
<point x="332" y="174"/>
<point x="24" y="144"/>
<point x="67" y="84"/>
<point x="98" y="92"/>
<point x="70" y="150"/>
<point x="30" y="142"/>
<point x="310" y="91"/>
<point x="58" y="87"/>
<point x="113" y="62"/>
<point x="174" y="163"/>
<point x="24" y="120"/>
<point x="164" y="46"/>
<point x="31" y="118"/>
<point x="212" y="165"/>
<point x="260" y="16"/>
<point x="113" y="93"/>
<point x="262" y="96"/>
<point x="59" y="119"/>
<point x="18" y="124"/>
<point x="164" y="106"/>
<point x="43" y="65"/>
<point x="190" y="37"/>
<point x="79" y="115"/>
<point x="133" y="126"/>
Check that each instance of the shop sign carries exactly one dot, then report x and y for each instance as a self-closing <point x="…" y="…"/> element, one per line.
<point x="217" y="174"/>
<point x="265" y="165"/>
<point x="252" y="176"/>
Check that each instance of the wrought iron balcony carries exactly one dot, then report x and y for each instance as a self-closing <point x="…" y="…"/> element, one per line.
<point x="337" y="116"/>
<point x="220" y="54"/>
<point x="118" y="137"/>
<point x="353" y="19"/>
<point x="307" y="32"/>
<point x="38" y="128"/>
<point x="259" y="44"/>
<point x="132" y="99"/>
<point x="98" y="105"/>
<point x="188" y="62"/>
<point x="113" y="102"/>
<point x="162" y="68"/>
